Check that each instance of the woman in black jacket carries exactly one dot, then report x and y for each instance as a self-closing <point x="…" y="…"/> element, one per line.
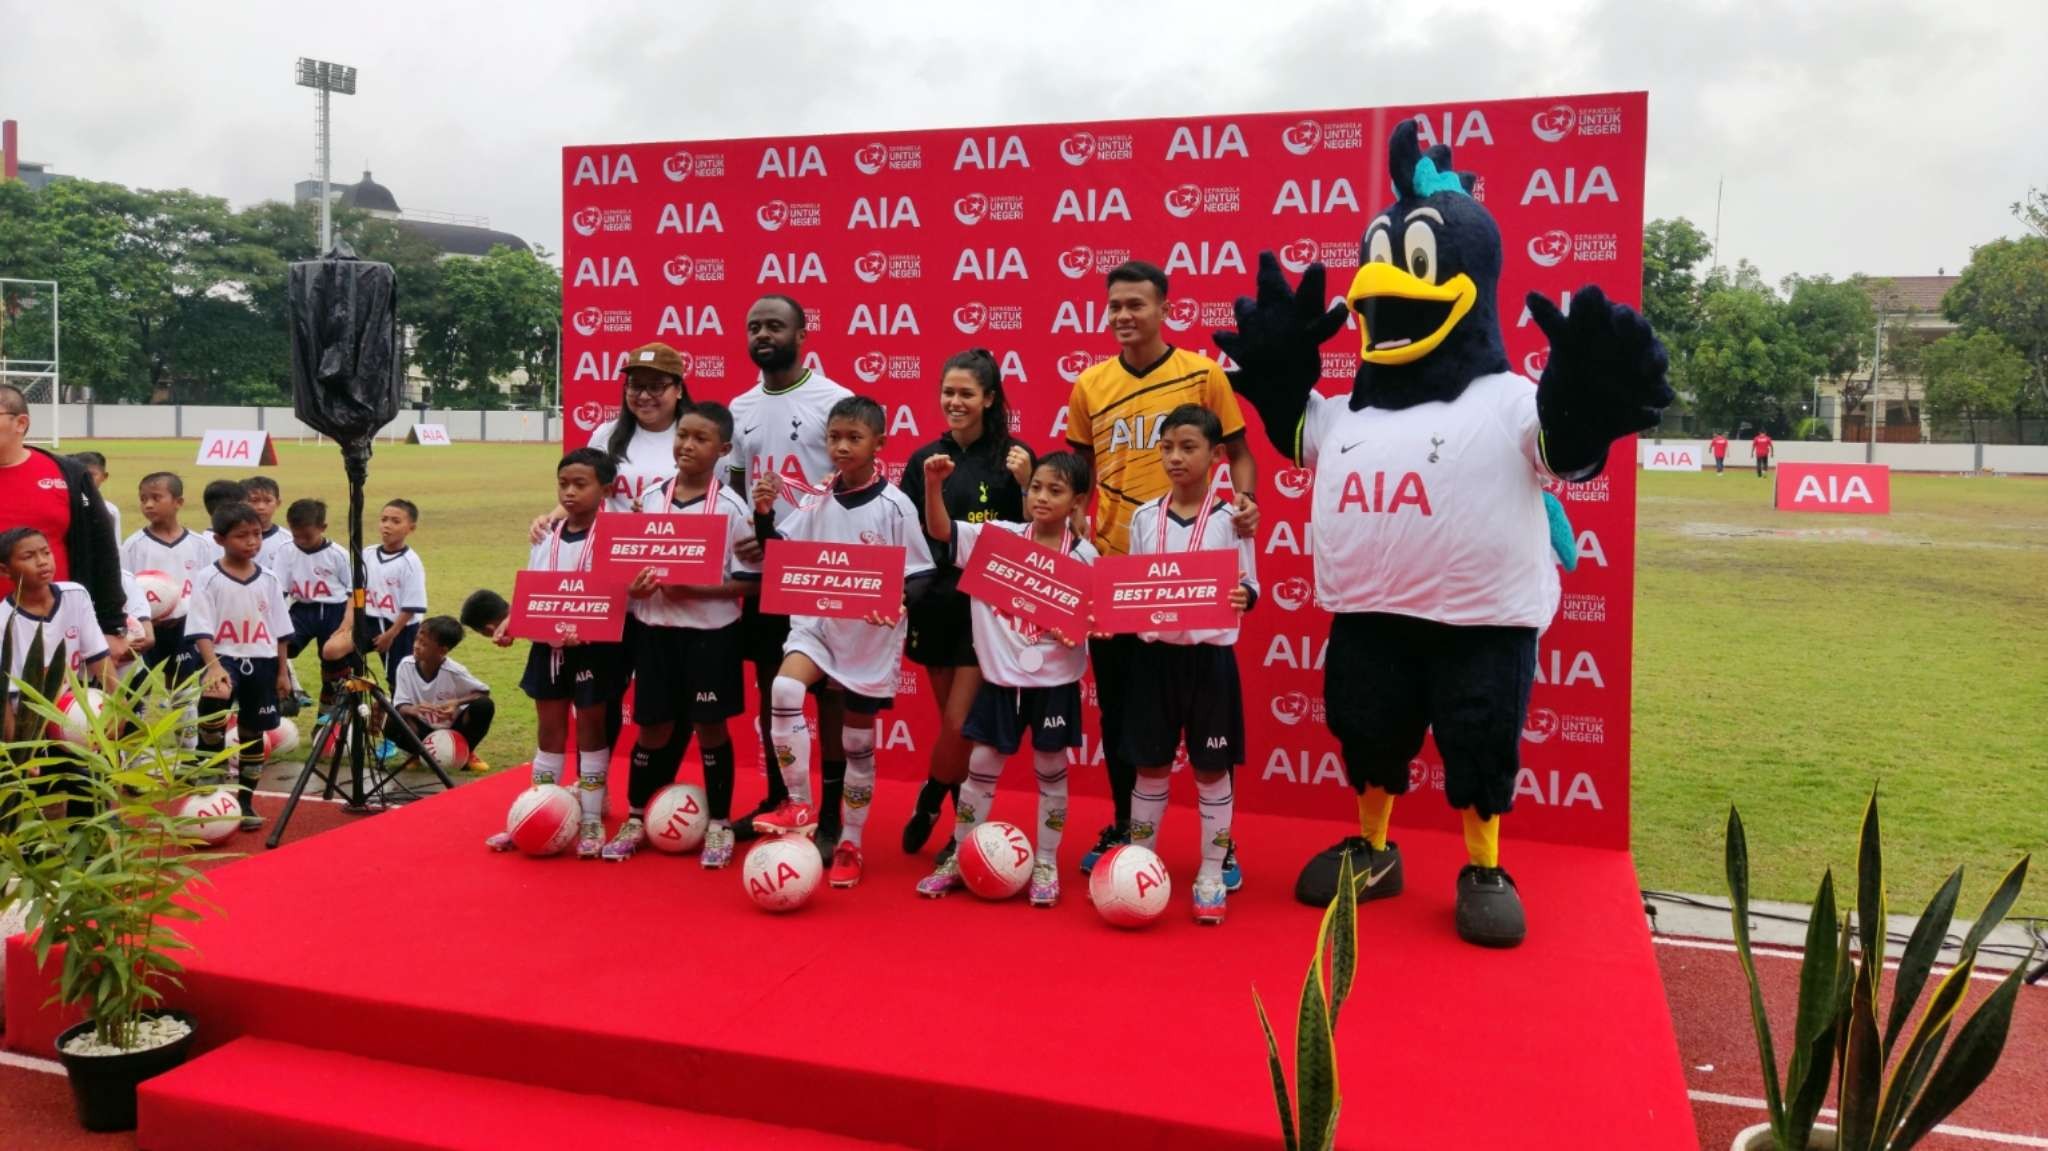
<point x="989" y="474"/>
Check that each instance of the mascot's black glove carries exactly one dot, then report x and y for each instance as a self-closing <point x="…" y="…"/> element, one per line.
<point x="1278" y="348"/>
<point x="1605" y="379"/>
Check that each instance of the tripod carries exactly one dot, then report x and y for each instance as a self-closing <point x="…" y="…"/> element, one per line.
<point x="341" y="741"/>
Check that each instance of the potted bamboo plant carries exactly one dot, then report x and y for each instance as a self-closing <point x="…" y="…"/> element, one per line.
<point x="95" y="851"/>
<point x="1894" y="1082"/>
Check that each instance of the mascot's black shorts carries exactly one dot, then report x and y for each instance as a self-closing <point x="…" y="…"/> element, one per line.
<point x="1389" y="678"/>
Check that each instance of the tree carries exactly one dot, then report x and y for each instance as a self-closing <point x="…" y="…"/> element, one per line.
<point x="2004" y="290"/>
<point x="1835" y="326"/>
<point x="1671" y="292"/>
<point x="2032" y="210"/>
<point x="494" y="316"/>
<point x="1973" y="377"/>
<point x="1748" y="365"/>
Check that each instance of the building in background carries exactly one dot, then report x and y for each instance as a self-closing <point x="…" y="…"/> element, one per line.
<point x="450" y="233"/>
<point x="1908" y="308"/>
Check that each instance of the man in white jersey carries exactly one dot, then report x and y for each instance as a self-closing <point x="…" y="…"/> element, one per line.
<point x="779" y="428"/>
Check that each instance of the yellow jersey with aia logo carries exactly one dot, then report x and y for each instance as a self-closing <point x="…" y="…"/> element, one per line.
<point x="1117" y="412"/>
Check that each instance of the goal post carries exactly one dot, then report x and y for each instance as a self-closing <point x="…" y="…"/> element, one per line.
<point x="30" y="351"/>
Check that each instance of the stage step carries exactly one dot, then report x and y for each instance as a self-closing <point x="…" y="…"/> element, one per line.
<point x="260" y="1093"/>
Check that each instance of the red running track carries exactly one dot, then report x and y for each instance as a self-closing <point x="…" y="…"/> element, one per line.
<point x="879" y="1015"/>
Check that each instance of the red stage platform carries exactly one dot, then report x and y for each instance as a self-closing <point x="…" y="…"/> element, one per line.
<point x="391" y="984"/>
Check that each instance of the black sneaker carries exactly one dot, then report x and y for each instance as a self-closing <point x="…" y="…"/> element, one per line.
<point x="918" y="831"/>
<point x="1489" y="908"/>
<point x="1374" y="874"/>
<point x="946" y="852"/>
<point x="743" y="823"/>
<point x="827" y="839"/>
<point x="1112" y="836"/>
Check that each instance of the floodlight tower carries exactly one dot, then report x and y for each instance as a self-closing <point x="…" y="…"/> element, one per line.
<point x="327" y="79"/>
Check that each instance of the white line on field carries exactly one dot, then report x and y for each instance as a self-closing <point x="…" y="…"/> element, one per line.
<point x="2004" y="1137"/>
<point x="31" y="1063"/>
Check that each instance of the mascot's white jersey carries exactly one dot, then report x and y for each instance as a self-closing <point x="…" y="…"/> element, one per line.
<point x="1434" y="511"/>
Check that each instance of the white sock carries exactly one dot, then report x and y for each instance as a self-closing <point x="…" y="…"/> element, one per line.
<point x="591" y="767"/>
<point x="792" y="737"/>
<point x="1216" y="798"/>
<point x="977" y="791"/>
<point x="1052" y="802"/>
<point x="857" y="739"/>
<point x="547" y="767"/>
<point x="1148" y="809"/>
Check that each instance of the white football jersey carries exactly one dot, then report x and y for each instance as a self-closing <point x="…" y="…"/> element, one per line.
<point x="784" y="432"/>
<point x="1219" y="534"/>
<point x="704" y="614"/>
<point x="1434" y="511"/>
<point x="649" y="463"/>
<point x="276" y="542"/>
<point x="183" y="559"/>
<point x="859" y="656"/>
<point x="1007" y="657"/>
<point x="451" y="682"/>
<point x="245" y="618"/>
<point x="134" y="605"/>
<point x="318" y="576"/>
<point x="71" y="622"/>
<point x="393" y="582"/>
<point x="560" y="550"/>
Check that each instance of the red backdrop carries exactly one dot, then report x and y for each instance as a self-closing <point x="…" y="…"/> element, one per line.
<point x="905" y="247"/>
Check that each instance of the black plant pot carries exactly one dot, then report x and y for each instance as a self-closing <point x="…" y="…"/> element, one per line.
<point x="103" y="1086"/>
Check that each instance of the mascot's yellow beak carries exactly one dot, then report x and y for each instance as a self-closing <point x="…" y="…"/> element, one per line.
<point x="1403" y="318"/>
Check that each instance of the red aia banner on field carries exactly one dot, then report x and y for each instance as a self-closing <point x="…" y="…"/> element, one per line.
<point x="905" y="247"/>
<point x="1846" y="489"/>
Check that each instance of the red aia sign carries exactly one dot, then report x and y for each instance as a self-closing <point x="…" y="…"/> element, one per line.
<point x="1848" y="489"/>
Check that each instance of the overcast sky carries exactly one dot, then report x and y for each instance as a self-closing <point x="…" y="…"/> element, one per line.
<point x="1854" y="135"/>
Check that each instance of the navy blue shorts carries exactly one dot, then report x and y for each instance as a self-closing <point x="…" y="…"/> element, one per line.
<point x="687" y="673"/>
<point x="1173" y="690"/>
<point x="1000" y="716"/>
<point x="313" y="624"/>
<point x="579" y="677"/>
<point x="252" y="694"/>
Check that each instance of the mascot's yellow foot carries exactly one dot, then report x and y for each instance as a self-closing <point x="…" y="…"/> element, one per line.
<point x="1489" y="908"/>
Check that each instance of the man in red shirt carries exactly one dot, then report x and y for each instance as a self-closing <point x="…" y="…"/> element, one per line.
<point x="1760" y="447"/>
<point x="54" y="495"/>
<point x="1720" y="446"/>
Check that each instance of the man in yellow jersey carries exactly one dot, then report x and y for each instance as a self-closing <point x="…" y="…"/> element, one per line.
<point x="1113" y="419"/>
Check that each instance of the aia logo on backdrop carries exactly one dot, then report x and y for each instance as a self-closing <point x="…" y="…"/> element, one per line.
<point x="975" y="316"/>
<point x="1080" y="147"/>
<point x="975" y="207"/>
<point x="776" y="215"/>
<point x="1305" y="136"/>
<point x="1293" y="483"/>
<point x="873" y="267"/>
<point x="1297" y="255"/>
<point x="1082" y="260"/>
<point x="872" y="158"/>
<point x="1186" y="200"/>
<point x="1071" y="365"/>
<point x="1558" y="121"/>
<point x="1293" y="593"/>
<point x="680" y="270"/>
<point x="589" y="221"/>
<point x="683" y="164"/>
<point x="1294" y="707"/>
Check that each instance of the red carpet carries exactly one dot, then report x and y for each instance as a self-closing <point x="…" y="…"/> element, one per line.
<point x="877" y="1015"/>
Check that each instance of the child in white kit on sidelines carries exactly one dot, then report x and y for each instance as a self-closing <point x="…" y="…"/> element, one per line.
<point x="857" y="506"/>
<point x="240" y="628"/>
<point x="1185" y="683"/>
<point x="1030" y="679"/>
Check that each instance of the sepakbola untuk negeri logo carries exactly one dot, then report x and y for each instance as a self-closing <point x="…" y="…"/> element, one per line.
<point x="1305" y="136"/>
<point x="776" y="215"/>
<point x="1080" y="260"/>
<point x="873" y="267"/>
<point x="1551" y="248"/>
<point x="975" y="207"/>
<point x="683" y="164"/>
<point x="590" y="220"/>
<point x="1071" y="365"/>
<point x="1078" y="148"/>
<point x="875" y="157"/>
<point x="974" y="316"/>
<point x="682" y="269"/>
<point x="1558" y="121"/>
<point x="1296" y="255"/>
<point x="1184" y="200"/>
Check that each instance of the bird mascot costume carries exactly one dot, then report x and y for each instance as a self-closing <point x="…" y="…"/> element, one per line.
<point x="1433" y="548"/>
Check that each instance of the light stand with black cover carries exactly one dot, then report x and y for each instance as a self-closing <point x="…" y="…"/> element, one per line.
<point x="345" y="385"/>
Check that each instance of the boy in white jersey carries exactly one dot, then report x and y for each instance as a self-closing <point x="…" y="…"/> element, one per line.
<point x="95" y="465"/>
<point x="686" y="651"/>
<point x="141" y="630"/>
<point x="436" y="693"/>
<point x="216" y="495"/>
<point x="1185" y="683"/>
<point x="862" y="657"/>
<point x="1029" y="678"/>
<point x="395" y="582"/>
<point x="240" y="627"/>
<point x="572" y="674"/>
<point x="779" y="427"/>
<point x="61" y="611"/>
<point x="317" y="576"/>
<point x="263" y="495"/>
<point x="163" y="545"/>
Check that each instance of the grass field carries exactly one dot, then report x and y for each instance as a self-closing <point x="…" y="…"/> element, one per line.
<point x="1783" y="662"/>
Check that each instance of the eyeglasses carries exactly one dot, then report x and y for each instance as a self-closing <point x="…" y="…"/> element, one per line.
<point x="649" y="387"/>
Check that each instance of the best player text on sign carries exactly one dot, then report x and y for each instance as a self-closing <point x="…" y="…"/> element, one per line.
<point x="682" y="550"/>
<point x="551" y="607"/>
<point x="1183" y="591"/>
<point x="1031" y="583"/>
<point x="846" y="581"/>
